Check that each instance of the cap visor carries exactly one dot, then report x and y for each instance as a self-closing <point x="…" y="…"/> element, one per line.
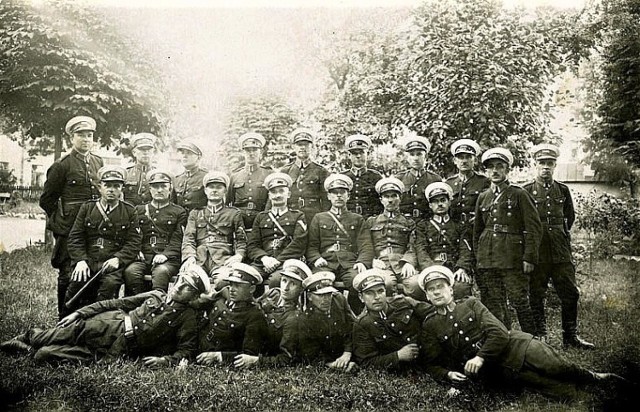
<point x="326" y="289"/>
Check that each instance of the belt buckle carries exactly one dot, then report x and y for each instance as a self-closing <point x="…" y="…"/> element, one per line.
<point x="301" y="202"/>
<point x="337" y="247"/>
<point x="389" y="250"/>
<point x="498" y="228"/>
<point x="463" y="217"/>
<point x="442" y="257"/>
<point x="153" y="240"/>
<point x="100" y="242"/>
<point x="359" y="209"/>
<point x="415" y="213"/>
<point x="251" y="205"/>
<point x="275" y="244"/>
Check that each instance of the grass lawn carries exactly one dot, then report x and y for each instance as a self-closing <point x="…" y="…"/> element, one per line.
<point x="609" y="312"/>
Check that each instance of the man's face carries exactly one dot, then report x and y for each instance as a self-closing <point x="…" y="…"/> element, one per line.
<point x="303" y="150"/>
<point x="291" y="288"/>
<point x="160" y="192"/>
<point x="375" y="298"/>
<point x="464" y="162"/>
<point x="439" y="292"/>
<point x="417" y="159"/>
<point x="111" y="191"/>
<point x="241" y="292"/>
<point x="321" y="301"/>
<point x="182" y="291"/>
<point x="358" y="158"/>
<point x="252" y="155"/>
<point x="390" y="200"/>
<point x="497" y="170"/>
<point x="215" y="191"/>
<point x="338" y="197"/>
<point x="82" y="141"/>
<point x="143" y="155"/>
<point x="188" y="159"/>
<point x="440" y="204"/>
<point x="279" y="196"/>
<point x="545" y="168"/>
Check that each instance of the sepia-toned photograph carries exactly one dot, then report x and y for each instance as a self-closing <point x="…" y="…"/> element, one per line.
<point x="307" y="205"/>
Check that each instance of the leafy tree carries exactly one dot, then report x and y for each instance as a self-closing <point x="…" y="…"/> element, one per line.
<point x="456" y="69"/>
<point x="58" y="60"/>
<point x="612" y="112"/>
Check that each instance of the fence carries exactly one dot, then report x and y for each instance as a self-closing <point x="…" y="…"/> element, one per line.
<point x="20" y="193"/>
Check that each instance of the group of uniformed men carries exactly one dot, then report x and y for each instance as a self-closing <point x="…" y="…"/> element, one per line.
<point x="407" y="250"/>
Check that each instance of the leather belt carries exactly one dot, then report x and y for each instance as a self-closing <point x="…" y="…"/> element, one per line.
<point x="553" y="220"/>
<point x="128" y="327"/>
<point x="302" y="202"/>
<point x="388" y="250"/>
<point x="503" y="229"/>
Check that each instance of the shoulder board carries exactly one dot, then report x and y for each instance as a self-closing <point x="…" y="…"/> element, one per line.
<point x="430" y="315"/>
<point x="265" y="167"/>
<point x="130" y="167"/>
<point x="561" y="184"/>
<point x="454" y="177"/>
<point x="64" y="156"/>
<point x="375" y="172"/>
<point x="295" y="211"/>
<point x="231" y="207"/>
<point x="527" y="184"/>
<point x="126" y="203"/>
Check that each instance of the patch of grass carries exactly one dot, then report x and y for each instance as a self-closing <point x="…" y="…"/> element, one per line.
<point x="608" y="310"/>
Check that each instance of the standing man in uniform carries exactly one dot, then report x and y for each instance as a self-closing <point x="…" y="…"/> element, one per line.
<point x="162" y="223"/>
<point x="188" y="185"/>
<point x="416" y="178"/>
<point x="364" y="199"/>
<point x="338" y="241"/>
<point x="246" y="189"/>
<point x="555" y="207"/>
<point x="136" y="187"/>
<point x="214" y="236"/>
<point x="105" y="237"/>
<point x="278" y="234"/>
<point x="71" y="181"/>
<point x="307" y="191"/>
<point x="506" y="238"/>
<point x="467" y="184"/>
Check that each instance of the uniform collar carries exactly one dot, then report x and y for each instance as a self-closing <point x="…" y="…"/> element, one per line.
<point x="464" y="178"/>
<point x="279" y="211"/>
<point x="302" y="165"/>
<point x="156" y="206"/>
<point x="142" y="167"/>
<point x="108" y="208"/>
<point x="80" y="155"/>
<point x="544" y="183"/>
<point x="448" y="309"/>
<point x="251" y="168"/>
<point x="359" y="172"/>
<point x="441" y="219"/>
<point x="215" y="209"/>
<point x="497" y="189"/>
<point x="418" y="173"/>
<point x="336" y="211"/>
<point x="390" y="215"/>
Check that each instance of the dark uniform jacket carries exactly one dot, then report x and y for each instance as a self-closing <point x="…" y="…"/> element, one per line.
<point x="232" y="328"/>
<point x="364" y="200"/>
<point x="507" y="229"/>
<point x="445" y="244"/>
<point x="158" y="328"/>
<point x="95" y="240"/>
<point x="214" y="236"/>
<point x="555" y="208"/>
<point x="465" y="195"/>
<point x="307" y="191"/>
<point x="162" y="230"/>
<point x="413" y="203"/>
<point x="392" y="239"/>
<point x="282" y="323"/>
<point x="189" y="190"/>
<point x="329" y="241"/>
<point x="71" y="181"/>
<point x="266" y="239"/>
<point x="324" y="337"/>
<point x="247" y="193"/>
<point x="136" y="188"/>
<point x="377" y="337"/>
<point x="449" y="341"/>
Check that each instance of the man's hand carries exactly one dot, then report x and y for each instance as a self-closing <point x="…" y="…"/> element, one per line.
<point x="320" y="262"/>
<point x="342" y="362"/>
<point x="527" y="267"/>
<point x="111" y="264"/>
<point x="270" y="263"/>
<point x="379" y="264"/>
<point x="231" y="260"/>
<point x="408" y="352"/>
<point x="68" y="320"/>
<point x="155" y="361"/>
<point x="461" y="275"/>
<point x="209" y="358"/>
<point x="244" y="361"/>
<point x="159" y="259"/>
<point x="81" y="272"/>
<point x="407" y="271"/>
<point x="472" y="367"/>
<point x="456" y="376"/>
<point x="360" y="267"/>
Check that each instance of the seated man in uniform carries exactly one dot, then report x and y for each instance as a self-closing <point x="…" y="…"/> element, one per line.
<point x="104" y="239"/>
<point x="462" y="340"/>
<point x="157" y="325"/>
<point x="279" y="233"/>
<point x="386" y="335"/>
<point x="232" y="322"/>
<point x="443" y="241"/>
<point x="214" y="236"/>
<point x="161" y="223"/>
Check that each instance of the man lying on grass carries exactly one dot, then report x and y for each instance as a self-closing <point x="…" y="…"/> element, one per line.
<point x="157" y="325"/>
<point x="462" y="341"/>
